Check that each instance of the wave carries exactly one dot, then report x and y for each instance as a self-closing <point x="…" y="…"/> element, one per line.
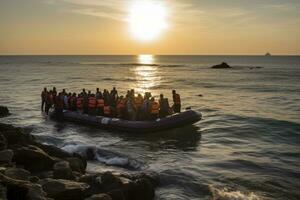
<point x="104" y="156"/>
<point x="225" y="194"/>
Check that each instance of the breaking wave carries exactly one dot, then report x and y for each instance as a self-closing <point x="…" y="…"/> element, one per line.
<point x="104" y="156"/>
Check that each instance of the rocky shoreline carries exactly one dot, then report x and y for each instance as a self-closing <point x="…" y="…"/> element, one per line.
<point x="34" y="171"/>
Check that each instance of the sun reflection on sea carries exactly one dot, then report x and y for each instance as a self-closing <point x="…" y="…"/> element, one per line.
<point x="146" y="74"/>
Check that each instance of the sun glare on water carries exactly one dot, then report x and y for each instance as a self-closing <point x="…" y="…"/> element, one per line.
<point x="147" y="19"/>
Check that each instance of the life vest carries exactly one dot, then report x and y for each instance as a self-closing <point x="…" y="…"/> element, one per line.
<point x="59" y="102"/>
<point x="121" y="104"/>
<point x="106" y="110"/>
<point x="100" y="103"/>
<point x="79" y="102"/>
<point x="177" y="100"/>
<point x="154" y="108"/>
<point x="73" y="101"/>
<point x="138" y="102"/>
<point x="92" y="102"/>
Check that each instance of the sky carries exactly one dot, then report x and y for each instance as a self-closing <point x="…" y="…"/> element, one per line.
<point x="197" y="27"/>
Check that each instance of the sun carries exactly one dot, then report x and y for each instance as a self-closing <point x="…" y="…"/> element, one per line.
<point x="147" y="19"/>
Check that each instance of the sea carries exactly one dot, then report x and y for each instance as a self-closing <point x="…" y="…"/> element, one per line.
<point x="246" y="147"/>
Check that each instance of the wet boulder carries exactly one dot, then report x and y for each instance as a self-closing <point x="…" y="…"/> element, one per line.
<point x="6" y="157"/>
<point x="18" y="189"/>
<point x="60" y="189"/>
<point x="109" y="181"/>
<point x="101" y="196"/>
<point x="33" y="159"/>
<point x="77" y="164"/>
<point x="141" y="189"/>
<point x="3" y="142"/>
<point x="53" y="151"/>
<point x="2" y="192"/>
<point x="117" y="194"/>
<point x="15" y="137"/>
<point x="62" y="170"/>
<point x="223" y="65"/>
<point x="4" y="111"/>
<point x="17" y="173"/>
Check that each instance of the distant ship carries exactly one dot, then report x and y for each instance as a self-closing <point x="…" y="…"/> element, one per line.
<point x="268" y="54"/>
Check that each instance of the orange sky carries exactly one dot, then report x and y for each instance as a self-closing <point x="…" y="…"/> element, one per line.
<point x="194" y="27"/>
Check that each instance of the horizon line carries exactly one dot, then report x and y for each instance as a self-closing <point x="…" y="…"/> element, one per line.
<point x="149" y="54"/>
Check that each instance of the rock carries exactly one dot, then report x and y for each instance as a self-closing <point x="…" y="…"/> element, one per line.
<point x="223" y="65"/>
<point x="110" y="181"/>
<point x="18" y="189"/>
<point x="2" y="192"/>
<point x="44" y="174"/>
<point x="62" y="170"/>
<point x="117" y="194"/>
<point x="4" y="111"/>
<point x="99" y="197"/>
<point x="17" y="173"/>
<point x="3" y="142"/>
<point x="6" y="156"/>
<point x="33" y="159"/>
<point x="15" y="137"/>
<point x="76" y="164"/>
<point x="35" y="192"/>
<point x="60" y="189"/>
<point x="34" y="179"/>
<point x="53" y="151"/>
<point x="151" y="176"/>
<point x="141" y="189"/>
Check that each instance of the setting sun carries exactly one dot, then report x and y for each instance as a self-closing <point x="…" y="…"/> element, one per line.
<point x="147" y="19"/>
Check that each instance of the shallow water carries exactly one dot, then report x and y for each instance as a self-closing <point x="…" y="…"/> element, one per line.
<point x="246" y="146"/>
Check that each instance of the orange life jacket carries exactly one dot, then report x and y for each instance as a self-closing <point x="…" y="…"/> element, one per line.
<point x="138" y="102"/>
<point x="106" y="110"/>
<point x="177" y="99"/>
<point x="121" y="104"/>
<point x="79" y="102"/>
<point x="100" y="103"/>
<point x="154" y="108"/>
<point x="92" y="102"/>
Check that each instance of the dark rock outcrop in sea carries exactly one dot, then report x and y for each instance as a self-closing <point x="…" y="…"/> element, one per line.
<point x="223" y="65"/>
<point x="4" y="111"/>
<point x="34" y="171"/>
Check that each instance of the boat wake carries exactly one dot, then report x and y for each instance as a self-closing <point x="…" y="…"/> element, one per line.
<point x="106" y="157"/>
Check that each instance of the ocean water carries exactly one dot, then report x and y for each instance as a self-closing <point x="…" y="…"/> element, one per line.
<point x="246" y="147"/>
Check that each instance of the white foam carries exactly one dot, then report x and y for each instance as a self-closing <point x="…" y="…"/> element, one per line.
<point x="225" y="194"/>
<point x="119" y="161"/>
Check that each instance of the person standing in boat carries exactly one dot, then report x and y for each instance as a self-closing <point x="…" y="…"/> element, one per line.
<point x="154" y="112"/>
<point x="79" y="102"/>
<point x="130" y="109"/>
<point x="177" y="102"/>
<point x="49" y="101"/>
<point x="92" y="104"/>
<point x="85" y="103"/>
<point x="145" y="109"/>
<point x="163" y="106"/>
<point x="43" y="98"/>
<point x="100" y="105"/>
<point x="59" y="106"/>
<point x="73" y="102"/>
<point x="138" y="102"/>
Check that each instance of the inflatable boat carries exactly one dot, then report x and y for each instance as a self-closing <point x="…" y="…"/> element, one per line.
<point x="176" y="120"/>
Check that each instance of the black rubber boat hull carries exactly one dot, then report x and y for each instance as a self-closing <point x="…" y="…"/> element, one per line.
<point x="176" y="120"/>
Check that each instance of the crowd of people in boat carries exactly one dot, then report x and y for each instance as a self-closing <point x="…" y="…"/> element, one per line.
<point x="132" y="106"/>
